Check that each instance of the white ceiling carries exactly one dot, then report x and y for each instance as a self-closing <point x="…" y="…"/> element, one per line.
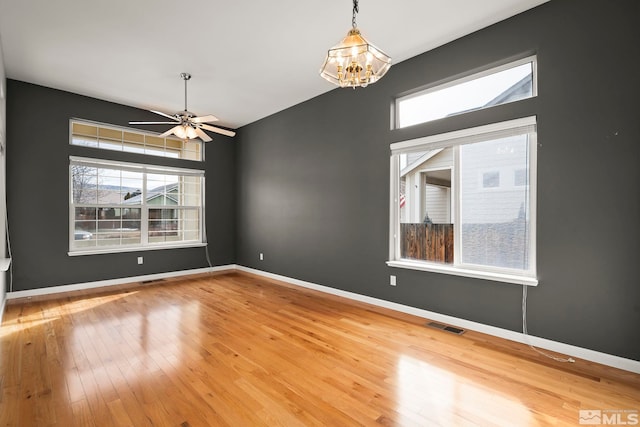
<point x="248" y="59"/>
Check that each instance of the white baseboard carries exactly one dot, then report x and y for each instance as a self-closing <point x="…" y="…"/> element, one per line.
<point x="570" y="350"/>
<point x="2" y="305"/>
<point x="113" y="282"/>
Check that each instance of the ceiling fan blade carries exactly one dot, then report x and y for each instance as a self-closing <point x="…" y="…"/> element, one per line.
<point x="169" y="132"/>
<point x="152" y="123"/>
<point x="218" y="130"/>
<point x="203" y="136"/>
<point x="205" y="119"/>
<point x="165" y="115"/>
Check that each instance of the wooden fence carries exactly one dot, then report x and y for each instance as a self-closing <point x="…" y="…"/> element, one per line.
<point x="499" y="245"/>
<point x="430" y="242"/>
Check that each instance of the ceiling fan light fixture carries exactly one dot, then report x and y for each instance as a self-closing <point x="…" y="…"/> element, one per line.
<point x="190" y="132"/>
<point x="180" y="131"/>
<point x="186" y="124"/>
<point x="354" y="62"/>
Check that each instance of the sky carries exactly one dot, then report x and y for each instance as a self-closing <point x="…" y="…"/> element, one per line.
<point x="472" y="94"/>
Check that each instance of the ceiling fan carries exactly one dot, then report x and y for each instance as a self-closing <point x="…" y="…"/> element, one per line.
<point x="187" y="125"/>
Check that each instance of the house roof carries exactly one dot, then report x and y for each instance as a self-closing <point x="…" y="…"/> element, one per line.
<point x="169" y="191"/>
<point x="514" y="92"/>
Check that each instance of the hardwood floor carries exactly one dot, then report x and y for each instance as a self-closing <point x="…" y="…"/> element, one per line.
<point x="240" y="350"/>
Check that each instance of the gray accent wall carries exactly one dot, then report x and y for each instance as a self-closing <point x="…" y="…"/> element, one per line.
<point x="3" y="181"/>
<point x="313" y="180"/>
<point x="38" y="192"/>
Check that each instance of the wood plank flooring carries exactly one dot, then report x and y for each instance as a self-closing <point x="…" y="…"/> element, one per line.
<point x="239" y="350"/>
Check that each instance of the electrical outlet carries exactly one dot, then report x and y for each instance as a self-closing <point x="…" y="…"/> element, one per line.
<point x="261" y="256"/>
<point x="392" y="280"/>
<point x="140" y="260"/>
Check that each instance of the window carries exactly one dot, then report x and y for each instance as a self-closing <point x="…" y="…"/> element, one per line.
<point x="444" y="219"/>
<point x="508" y="83"/>
<point x="107" y="137"/>
<point x="491" y="179"/>
<point x="519" y="177"/>
<point x="118" y="206"/>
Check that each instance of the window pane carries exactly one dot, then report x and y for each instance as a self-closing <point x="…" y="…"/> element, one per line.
<point x="131" y="186"/>
<point x="494" y="223"/>
<point x="163" y="190"/>
<point x="508" y="85"/>
<point x="120" y="207"/>
<point x="122" y="139"/>
<point x="426" y="226"/>
<point x="84" y="180"/>
<point x="84" y="231"/>
<point x="118" y="226"/>
<point x="163" y="225"/>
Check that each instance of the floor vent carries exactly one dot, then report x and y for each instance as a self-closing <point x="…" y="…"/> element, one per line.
<point x="447" y="328"/>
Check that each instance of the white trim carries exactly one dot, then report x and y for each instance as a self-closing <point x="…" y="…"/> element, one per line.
<point x="456" y="203"/>
<point x="475" y="76"/>
<point x="2" y="306"/>
<point x="394" y="207"/>
<point x="134" y="167"/>
<point x="571" y="350"/>
<point x="467" y="136"/>
<point x="533" y="201"/>
<point x="138" y="131"/>
<point x="113" y="282"/>
<point x="144" y="206"/>
<point x="118" y="249"/>
<point x="456" y="139"/>
<point x="446" y="84"/>
<point x="464" y="272"/>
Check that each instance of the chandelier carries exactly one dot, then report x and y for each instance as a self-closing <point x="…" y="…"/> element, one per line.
<point x="354" y="61"/>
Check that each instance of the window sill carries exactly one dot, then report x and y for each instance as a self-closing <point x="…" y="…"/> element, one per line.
<point x="457" y="271"/>
<point x="134" y="249"/>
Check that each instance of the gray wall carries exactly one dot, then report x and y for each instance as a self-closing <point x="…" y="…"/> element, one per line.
<point x="3" y="176"/>
<point x="313" y="180"/>
<point x="38" y="192"/>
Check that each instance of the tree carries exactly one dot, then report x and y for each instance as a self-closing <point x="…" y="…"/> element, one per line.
<point x="83" y="179"/>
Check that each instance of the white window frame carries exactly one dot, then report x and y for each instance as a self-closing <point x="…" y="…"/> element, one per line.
<point x="144" y="216"/>
<point x="440" y="86"/>
<point x="454" y="139"/>
<point x="154" y="150"/>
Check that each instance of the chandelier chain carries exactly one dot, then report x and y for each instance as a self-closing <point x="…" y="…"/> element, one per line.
<point x="355" y="10"/>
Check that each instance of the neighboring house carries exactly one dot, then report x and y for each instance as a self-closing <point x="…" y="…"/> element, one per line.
<point x="160" y="219"/>
<point x="493" y="188"/>
<point x="426" y="178"/>
<point x="165" y="195"/>
<point x="163" y="219"/>
<point x="490" y="177"/>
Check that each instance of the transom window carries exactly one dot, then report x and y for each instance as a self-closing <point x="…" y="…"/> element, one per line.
<point x="108" y="137"/>
<point x="119" y="206"/>
<point x="464" y="202"/>
<point x="500" y="85"/>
